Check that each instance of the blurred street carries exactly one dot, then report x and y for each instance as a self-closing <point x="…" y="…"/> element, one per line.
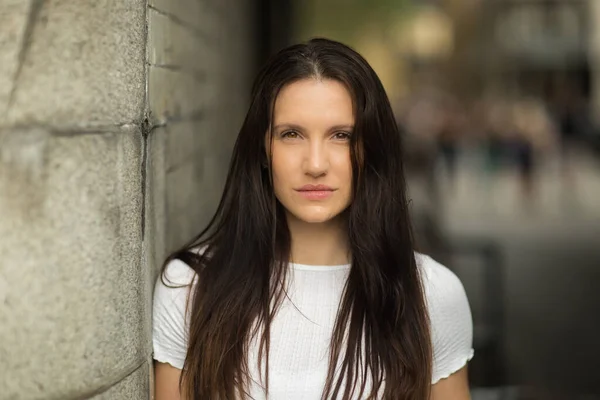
<point x="551" y="252"/>
<point x="478" y="201"/>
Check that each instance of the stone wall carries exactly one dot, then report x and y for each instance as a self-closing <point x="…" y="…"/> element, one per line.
<point x="117" y="119"/>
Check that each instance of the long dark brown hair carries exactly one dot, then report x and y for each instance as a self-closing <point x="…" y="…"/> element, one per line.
<point x="381" y="333"/>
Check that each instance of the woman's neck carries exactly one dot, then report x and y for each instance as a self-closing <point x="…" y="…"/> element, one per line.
<point x="318" y="243"/>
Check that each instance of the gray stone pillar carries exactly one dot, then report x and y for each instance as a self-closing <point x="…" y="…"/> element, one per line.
<point x="117" y="120"/>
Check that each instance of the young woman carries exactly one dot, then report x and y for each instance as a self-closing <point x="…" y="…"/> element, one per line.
<point x="305" y="284"/>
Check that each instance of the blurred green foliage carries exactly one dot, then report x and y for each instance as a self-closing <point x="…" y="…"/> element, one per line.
<point x="344" y="20"/>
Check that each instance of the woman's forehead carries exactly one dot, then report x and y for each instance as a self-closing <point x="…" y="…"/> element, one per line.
<point x="318" y="101"/>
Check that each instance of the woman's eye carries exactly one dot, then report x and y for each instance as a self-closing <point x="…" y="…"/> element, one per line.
<point x="290" y="135"/>
<point x="341" y="136"/>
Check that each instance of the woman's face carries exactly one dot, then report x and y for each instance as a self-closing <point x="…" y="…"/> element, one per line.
<point x="312" y="172"/>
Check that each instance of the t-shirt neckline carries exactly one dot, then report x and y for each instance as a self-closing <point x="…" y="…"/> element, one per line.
<point x="322" y="268"/>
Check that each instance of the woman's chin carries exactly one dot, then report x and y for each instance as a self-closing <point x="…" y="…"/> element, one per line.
<point x="315" y="216"/>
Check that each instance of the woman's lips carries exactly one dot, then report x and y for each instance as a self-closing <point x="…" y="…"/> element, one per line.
<point x="315" y="192"/>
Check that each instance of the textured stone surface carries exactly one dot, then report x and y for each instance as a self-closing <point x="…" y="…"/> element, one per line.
<point x="155" y="215"/>
<point x="134" y="387"/>
<point x="186" y="141"/>
<point x="154" y="243"/>
<point x="193" y="192"/>
<point x="176" y="94"/>
<point x="13" y="21"/>
<point x="71" y="251"/>
<point x="175" y="44"/>
<point x="188" y="202"/>
<point x="198" y="154"/>
<point x="202" y="17"/>
<point x="83" y="65"/>
<point x="76" y="275"/>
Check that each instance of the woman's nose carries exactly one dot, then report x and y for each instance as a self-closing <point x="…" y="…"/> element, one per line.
<point x="317" y="161"/>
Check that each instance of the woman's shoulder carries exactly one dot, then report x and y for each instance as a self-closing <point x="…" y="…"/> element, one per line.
<point x="436" y="276"/>
<point x="173" y="288"/>
<point x="177" y="273"/>
<point x="450" y="317"/>
<point x="446" y="298"/>
<point x="170" y="316"/>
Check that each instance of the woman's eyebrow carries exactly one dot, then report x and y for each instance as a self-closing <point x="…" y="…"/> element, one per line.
<point x="300" y="128"/>
<point x="341" y="127"/>
<point x="288" y="126"/>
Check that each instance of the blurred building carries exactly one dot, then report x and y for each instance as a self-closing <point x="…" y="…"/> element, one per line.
<point x="528" y="46"/>
<point x="545" y="49"/>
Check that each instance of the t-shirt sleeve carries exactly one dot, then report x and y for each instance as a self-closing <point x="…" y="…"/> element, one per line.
<point x="169" y="313"/>
<point x="450" y="317"/>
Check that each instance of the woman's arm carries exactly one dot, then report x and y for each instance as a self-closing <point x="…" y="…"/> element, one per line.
<point x="455" y="387"/>
<point x="169" y="329"/>
<point x="166" y="382"/>
<point x="451" y="331"/>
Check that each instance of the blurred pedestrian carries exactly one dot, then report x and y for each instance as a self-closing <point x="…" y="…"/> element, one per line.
<point x="533" y="134"/>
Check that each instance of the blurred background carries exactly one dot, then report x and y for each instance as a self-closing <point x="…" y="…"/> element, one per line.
<point x="499" y="103"/>
<point x="117" y="123"/>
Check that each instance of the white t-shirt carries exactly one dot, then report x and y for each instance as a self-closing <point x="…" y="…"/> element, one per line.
<point x="301" y="330"/>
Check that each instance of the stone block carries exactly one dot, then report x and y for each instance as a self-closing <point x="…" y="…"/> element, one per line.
<point x="187" y="140"/>
<point x="185" y="200"/>
<point x="197" y="162"/>
<point x="232" y="119"/>
<point x="13" y="22"/>
<point x="155" y="224"/>
<point x="72" y="314"/>
<point x="193" y="193"/>
<point x="155" y="215"/>
<point x="201" y="16"/>
<point x="174" y="94"/>
<point x="173" y="44"/>
<point x="216" y="167"/>
<point x="134" y="387"/>
<point x="83" y="65"/>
